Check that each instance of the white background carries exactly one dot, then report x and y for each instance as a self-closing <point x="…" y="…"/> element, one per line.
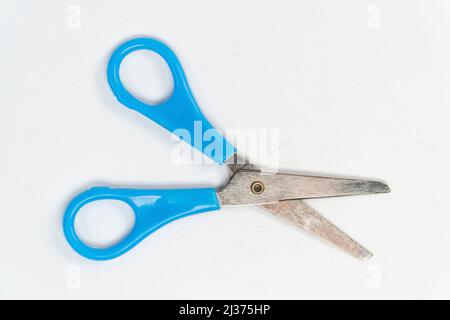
<point x="356" y="88"/>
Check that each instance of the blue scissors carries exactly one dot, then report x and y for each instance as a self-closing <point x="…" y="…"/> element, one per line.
<point x="280" y="193"/>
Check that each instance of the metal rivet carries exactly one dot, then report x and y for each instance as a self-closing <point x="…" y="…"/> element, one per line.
<point x="257" y="187"/>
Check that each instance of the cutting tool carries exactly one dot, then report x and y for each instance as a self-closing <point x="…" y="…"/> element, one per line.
<point x="278" y="193"/>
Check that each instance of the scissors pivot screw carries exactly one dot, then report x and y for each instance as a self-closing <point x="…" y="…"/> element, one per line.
<point x="257" y="187"/>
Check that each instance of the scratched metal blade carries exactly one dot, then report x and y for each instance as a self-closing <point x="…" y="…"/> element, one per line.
<point x="280" y="186"/>
<point x="306" y="218"/>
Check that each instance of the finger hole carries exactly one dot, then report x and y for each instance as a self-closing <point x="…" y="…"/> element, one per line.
<point x="103" y="223"/>
<point x="146" y="75"/>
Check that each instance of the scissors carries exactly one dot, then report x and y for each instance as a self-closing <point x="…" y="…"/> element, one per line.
<point x="278" y="193"/>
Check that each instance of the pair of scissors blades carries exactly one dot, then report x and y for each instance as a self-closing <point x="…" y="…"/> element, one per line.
<point x="278" y="193"/>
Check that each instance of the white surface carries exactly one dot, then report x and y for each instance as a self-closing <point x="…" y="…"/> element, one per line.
<point x="358" y="88"/>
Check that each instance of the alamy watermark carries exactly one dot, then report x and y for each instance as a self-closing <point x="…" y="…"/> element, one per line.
<point x="260" y="146"/>
<point x="373" y="17"/>
<point x="73" y="280"/>
<point x="73" y="20"/>
<point x="374" y="277"/>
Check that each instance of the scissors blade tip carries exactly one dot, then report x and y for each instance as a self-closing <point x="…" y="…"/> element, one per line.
<point x="377" y="187"/>
<point x="367" y="257"/>
<point x="364" y="254"/>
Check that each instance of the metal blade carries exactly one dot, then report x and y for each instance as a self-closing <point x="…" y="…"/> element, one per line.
<point x="306" y="218"/>
<point x="277" y="187"/>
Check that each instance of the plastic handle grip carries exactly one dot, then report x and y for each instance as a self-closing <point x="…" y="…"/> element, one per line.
<point x="152" y="208"/>
<point x="180" y="113"/>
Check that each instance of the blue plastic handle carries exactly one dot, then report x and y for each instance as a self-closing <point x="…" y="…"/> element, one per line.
<point x="152" y="208"/>
<point x="179" y="111"/>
